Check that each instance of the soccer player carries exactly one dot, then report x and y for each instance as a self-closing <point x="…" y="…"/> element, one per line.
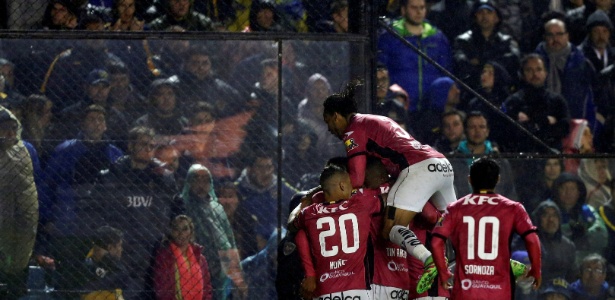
<point x="337" y="233"/>
<point x="480" y="227"/>
<point x="422" y="173"/>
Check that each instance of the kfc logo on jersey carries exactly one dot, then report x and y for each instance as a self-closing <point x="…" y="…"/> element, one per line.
<point x="350" y="144"/>
<point x="322" y="209"/>
<point x="479" y="200"/>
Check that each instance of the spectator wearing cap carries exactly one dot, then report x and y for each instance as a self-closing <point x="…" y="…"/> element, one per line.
<point x="558" y="251"/>
<point x="598" y="50"/>
<point x="592" y="283"/>
<point x="181" y="13"/>
<point x="484" y="42"/>
<point x="70" y="69"/>
<point x="569" y="74"/>
<point x="556" y="289"/>
<point x="165" y="116"/>
<point x="94" y="91"/>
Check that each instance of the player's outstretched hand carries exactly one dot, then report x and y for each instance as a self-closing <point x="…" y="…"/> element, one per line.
<point x="537" y="278"/>
<point x="446" y="279"/>
<point x="308" y="285"/>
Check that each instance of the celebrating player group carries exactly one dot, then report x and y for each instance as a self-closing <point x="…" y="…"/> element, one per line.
<point x="363" y="233"/>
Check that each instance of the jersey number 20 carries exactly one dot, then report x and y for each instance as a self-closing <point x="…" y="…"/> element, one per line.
<point x="481" y="233"/>
<point x="342" y="221"/>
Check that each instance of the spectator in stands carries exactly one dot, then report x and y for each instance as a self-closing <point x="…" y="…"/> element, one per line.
<point x="72" y="70"/>
<point x="540" y="111"/>
<point x="301" y="153"/>
<point x="598" y="180"/>
<point x="557" y="289"/>
<point x="261" y="269"/>
<point x="558" y="251"/>
<point x="37" y="116"/>
<point x="310" y="112"/>
<point x="264" y="102"/>
<point x="168" y="155"/>
<point x="442" y="96"/>
<point x="478" y="144"/>
<point x="60" y="15"/>
<point x="484" y="42"/>
<point x="569" y="74"/>
<point x="198" y="82"/>
<point x="451" y="131"/>
<point x="338" y="21"/>
<point x="20" y="202"/>
<point x="180" y="270"/>
<point x="95" y="91"/>
<point x="598" y="50"/>
<point x="389" y="100"/>
<point x="263" y="17"/>
<point x="592" y="284"/>
<point x="495" y="86"/>
<point x="198" y="200"/>
<point x="607" y="213"/>
<point x="166" y="58"/>
<point x="165" y="117"/>
<point x="102" y="273"/>
<point x="258" y="186"/>
<point x="405" y="67"/>
<point x="450" y="16"/>
<point x="229" y="197"/>
<point x="181" y="13"/>
<point x="124" y="18"/>
<point x="137" y="187"/>
<point x="11" y="94"/>
<point x="73" y="168"/>
<point x="580" y="222"/>
<point x="536" y="185"/>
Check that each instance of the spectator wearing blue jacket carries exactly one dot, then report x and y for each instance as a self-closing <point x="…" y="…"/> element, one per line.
<point x="72" y="170"/>
<point x="406" y="68"/>
<point x="258" y="187"/>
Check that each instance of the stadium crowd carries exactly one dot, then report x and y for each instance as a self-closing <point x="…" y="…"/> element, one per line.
<point x="123" y="159"/>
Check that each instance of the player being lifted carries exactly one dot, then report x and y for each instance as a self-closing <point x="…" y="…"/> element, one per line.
<point x="480" y="227"/>
<point x="422" y="173"/>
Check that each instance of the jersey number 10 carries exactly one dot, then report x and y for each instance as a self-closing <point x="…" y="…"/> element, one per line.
<point x="481" y="234"/>
<point x="343" y="234"/>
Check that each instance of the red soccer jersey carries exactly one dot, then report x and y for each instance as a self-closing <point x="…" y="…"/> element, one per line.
<point x="390" y="260"/>
<point x="383" y="138"/>
<point x="480" y="226"/>
<point x="338" y="234"/>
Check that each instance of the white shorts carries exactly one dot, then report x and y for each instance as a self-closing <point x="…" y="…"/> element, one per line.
<point x="418" y="183"/>
<point x="347" y="295"/>
<point x="381" y="292"/>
